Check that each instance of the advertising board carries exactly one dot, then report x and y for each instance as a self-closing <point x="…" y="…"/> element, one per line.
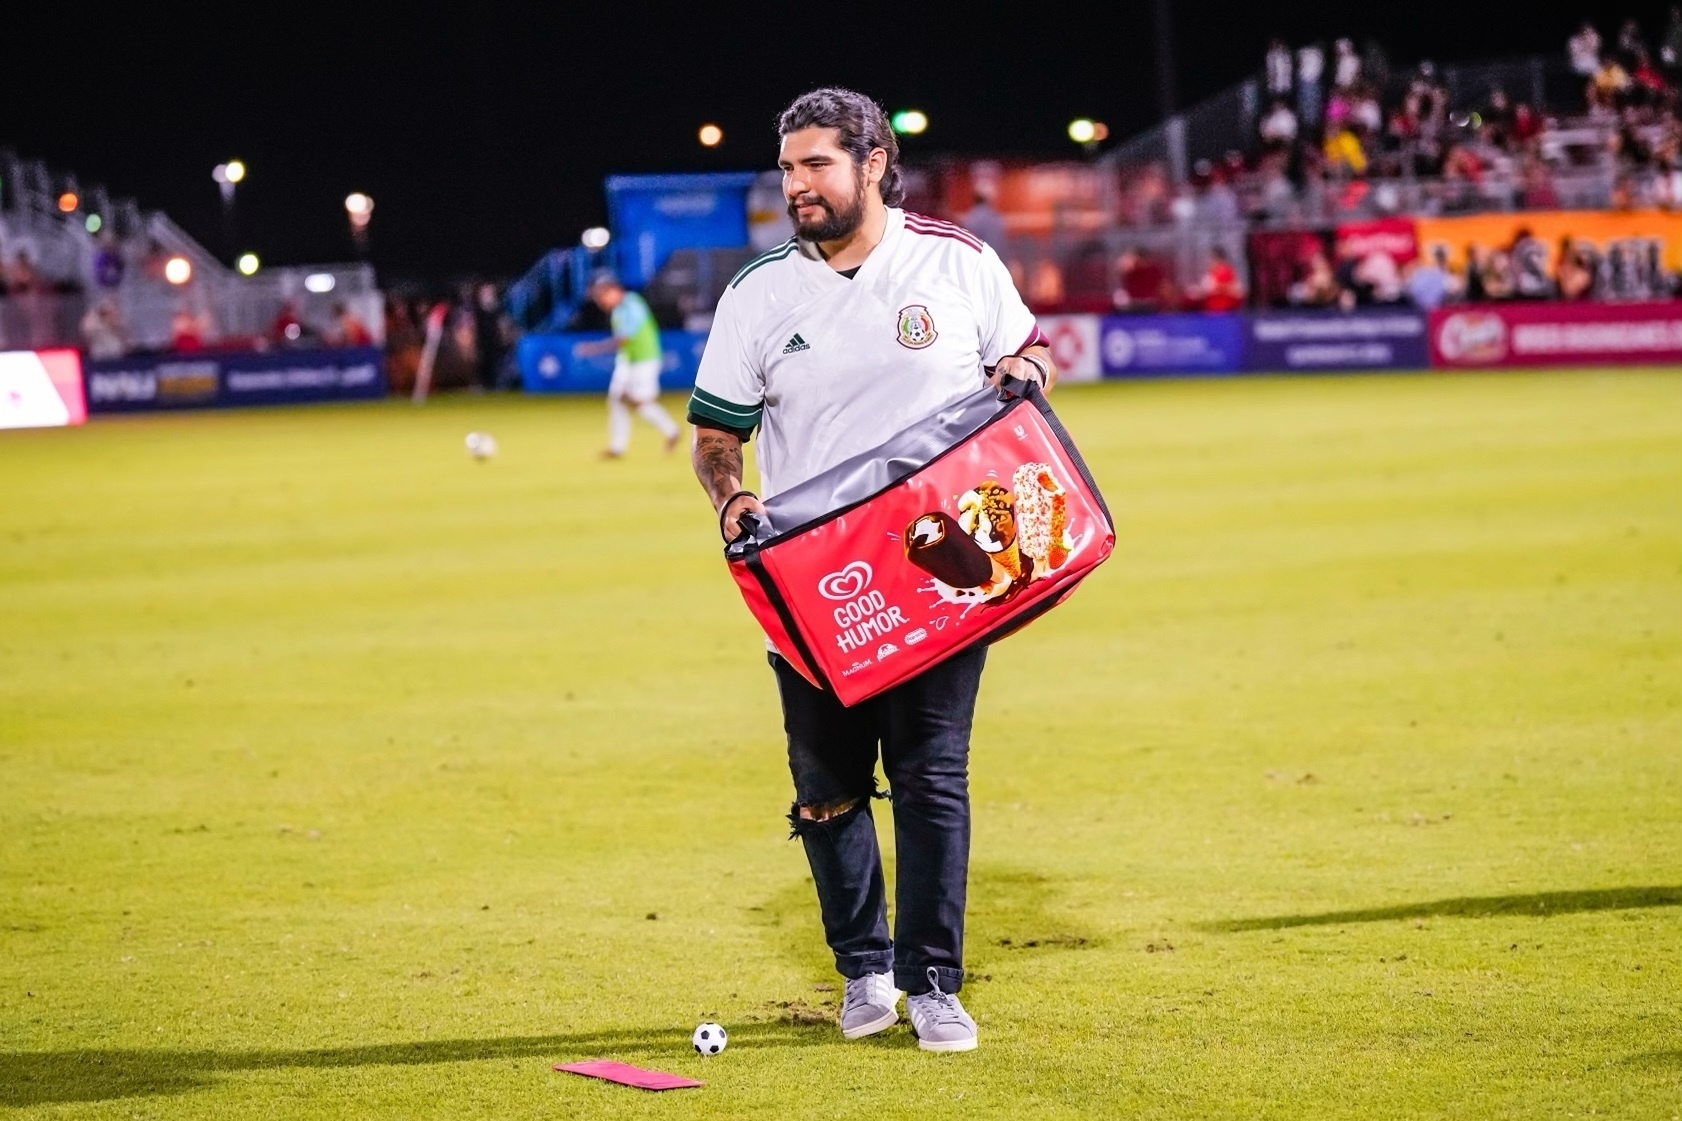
<point x="1364" y="339"/>
<point x="1074" y="345"/>
<point x="41" y="389"/>
<point x="141" y="383"/>
<point x="1580" y="254"/>
<point x="1142" y="346"/>
<point x="1556" y="334"/>
<point x="552" y="364"/>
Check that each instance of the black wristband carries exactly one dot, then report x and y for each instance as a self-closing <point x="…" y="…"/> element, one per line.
<point x="726" y="505"/>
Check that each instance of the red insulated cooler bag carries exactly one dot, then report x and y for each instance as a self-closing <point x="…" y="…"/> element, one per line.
<point x="956" y="531"/>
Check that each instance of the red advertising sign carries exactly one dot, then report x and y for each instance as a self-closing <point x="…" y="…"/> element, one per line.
<point x="1391" y="237"/>
<point x="1555" y="334"/>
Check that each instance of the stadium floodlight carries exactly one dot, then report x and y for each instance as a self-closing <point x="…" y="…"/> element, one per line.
<point x="319" y="282"/>
<point x="94" y="223"/>
<point x="1083" y="130"/>
<point x="910" y="122"/>
<point x="248" y="264"/>
<point x="711" y="136"/>
<point x="178" y="270"/>
<point x="68" y="202"/>
<point x="234" y="170"/>
<point x="596" y="237"/>
<point x="360" y="208"/>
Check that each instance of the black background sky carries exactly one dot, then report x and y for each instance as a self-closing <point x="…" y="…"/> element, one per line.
<point x="483" y="131"/>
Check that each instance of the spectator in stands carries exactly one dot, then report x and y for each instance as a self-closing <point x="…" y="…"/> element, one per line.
<point x="1536" y="189"/>
<point x="1217" y="204"/>
<point x="348" y="328"/>
<point x="490" y="340"/>
<point x="22" y="278"/>
<point x="1311" y="67"/>
<point x="1584" y="49"/>
<point x="1278" y="129"/>
<point x="1319" y="286"/>
<point x="1630" y="44"/>
<point x="1045" y="284"/>
<point x="1495" y="274"/>
<point x="287" y="328"/>
<point x="187" y="332"/>
<point x="1346" y="72"/>
<point x="1377" y="279"/>
<point x="1608" y="88"/>
<point x="1648" y="86"/>
<point x="1278" y="71"/>
<point x="1574" y="272"/>
<point x="1425" y="281"/>
<point x="985" y="222"/>
<point x="102" y="331"/>
<point x="1344" y="154"/>
<point x="1670" y="52"/>
<point x="1143" y="285"/>
<point x="402" y="345"/>
<point x="1220" y="289"/>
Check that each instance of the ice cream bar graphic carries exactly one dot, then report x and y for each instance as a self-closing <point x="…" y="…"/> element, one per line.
<point x="938" y="545"/>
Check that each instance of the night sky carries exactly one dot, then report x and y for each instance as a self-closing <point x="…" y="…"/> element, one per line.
<point x="483" y="133"/>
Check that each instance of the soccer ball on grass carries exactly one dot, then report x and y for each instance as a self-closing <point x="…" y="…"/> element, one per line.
<point x="709" y="1039"/>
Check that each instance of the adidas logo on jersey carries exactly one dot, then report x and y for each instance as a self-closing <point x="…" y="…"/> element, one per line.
<point x="796" y="343"/>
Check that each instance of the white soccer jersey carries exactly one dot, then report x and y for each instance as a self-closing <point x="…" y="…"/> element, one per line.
<point x="828" y="367"/>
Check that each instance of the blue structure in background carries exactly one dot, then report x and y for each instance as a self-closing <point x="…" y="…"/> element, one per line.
<point x="551" y="363"/>
<point x="649" y="216"/>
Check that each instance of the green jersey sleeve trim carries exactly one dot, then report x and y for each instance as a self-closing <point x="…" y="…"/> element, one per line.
<point x="726" y="413"/>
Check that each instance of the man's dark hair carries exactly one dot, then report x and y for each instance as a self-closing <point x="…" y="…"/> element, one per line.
<point x="861" y="125"/>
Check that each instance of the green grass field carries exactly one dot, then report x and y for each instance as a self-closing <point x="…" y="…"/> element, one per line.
<point x="343" y="776"/>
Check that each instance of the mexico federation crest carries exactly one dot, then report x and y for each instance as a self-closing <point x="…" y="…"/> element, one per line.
<point x="916" y="327"/>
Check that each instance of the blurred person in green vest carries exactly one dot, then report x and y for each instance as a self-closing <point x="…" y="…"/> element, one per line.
<point x="636" y="366"/>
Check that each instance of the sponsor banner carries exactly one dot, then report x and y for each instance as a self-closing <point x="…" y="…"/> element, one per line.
<point x="1395" y="238"/>
<point x="1074" y="345"/>
<point x="1574" y="254"/>
<point x="1150" y="345"/>
<point x="1543" y="334"/>
<point x="204" y="380"/>
<point x="41" y="389"/>
<point x="552" y="364"/>
<point x="1365" y="339"/>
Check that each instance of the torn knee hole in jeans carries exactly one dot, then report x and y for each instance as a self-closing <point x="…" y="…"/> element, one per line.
<point x="803" y="816"/>
<point x="826" y="811"/>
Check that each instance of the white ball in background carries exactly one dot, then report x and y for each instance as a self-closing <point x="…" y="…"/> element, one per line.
<point x="481" y="445"/>
<point x="709" y="1039"/>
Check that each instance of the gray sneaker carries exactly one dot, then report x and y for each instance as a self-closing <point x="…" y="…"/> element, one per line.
<point x="869" y="1005"/>
<point x="939" y="1021"/>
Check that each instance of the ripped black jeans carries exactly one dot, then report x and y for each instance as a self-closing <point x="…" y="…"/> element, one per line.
<point x="923" y="729"/>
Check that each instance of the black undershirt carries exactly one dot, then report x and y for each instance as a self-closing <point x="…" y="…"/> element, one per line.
<point x="849" y="273"/>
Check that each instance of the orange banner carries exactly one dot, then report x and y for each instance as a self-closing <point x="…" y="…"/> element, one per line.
<point x="1617" y="254"/>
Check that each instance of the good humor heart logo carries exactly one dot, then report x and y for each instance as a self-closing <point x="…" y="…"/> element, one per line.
<point x="847" y="583"/>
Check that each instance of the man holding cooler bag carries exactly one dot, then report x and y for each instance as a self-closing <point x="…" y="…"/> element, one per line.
<point x="868" y="321"/>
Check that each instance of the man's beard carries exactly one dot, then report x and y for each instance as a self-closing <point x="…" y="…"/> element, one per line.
<point x="834" y="224"/>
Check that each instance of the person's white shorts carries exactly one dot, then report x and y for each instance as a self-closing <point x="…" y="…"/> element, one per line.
<point x="636" y="382"/>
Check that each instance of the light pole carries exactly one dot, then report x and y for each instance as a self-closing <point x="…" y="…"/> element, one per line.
<point x="228" y="176"/>
<point x="359" y="208"/>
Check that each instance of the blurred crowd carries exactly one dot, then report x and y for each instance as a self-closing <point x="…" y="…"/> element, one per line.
<point x="1341" y="131"/>
<point x="466" y="335"/>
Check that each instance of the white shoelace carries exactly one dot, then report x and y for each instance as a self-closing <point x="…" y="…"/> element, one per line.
<point x="871" y="989"/>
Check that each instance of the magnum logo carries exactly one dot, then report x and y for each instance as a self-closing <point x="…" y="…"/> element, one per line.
<point x="1001" y="541"/>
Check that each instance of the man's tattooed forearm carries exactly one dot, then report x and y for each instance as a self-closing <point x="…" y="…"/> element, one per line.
<point x="718" y="463"/>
